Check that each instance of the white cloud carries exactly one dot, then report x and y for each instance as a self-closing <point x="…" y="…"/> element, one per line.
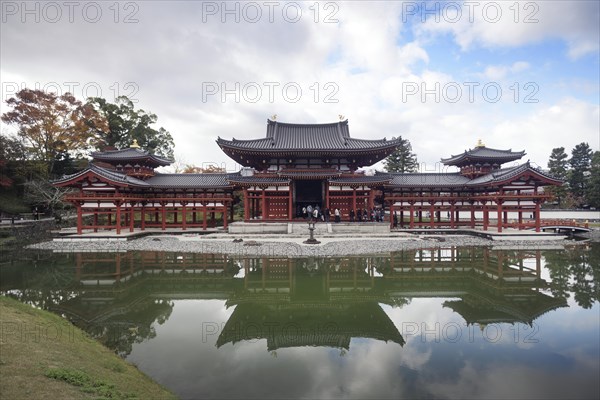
<point x="498" y="72"/>
<point x="358" y="67"/>
<point x="511" y="24"/>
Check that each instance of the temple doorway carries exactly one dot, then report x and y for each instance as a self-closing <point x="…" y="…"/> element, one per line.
<point x="308" y="192"/>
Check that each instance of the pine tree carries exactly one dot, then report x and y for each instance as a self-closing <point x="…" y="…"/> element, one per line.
<point x="581" y="160"/>
<point x="593" y="189"/>
<point x="403" y="159"/>
<point x="558" y="165"/>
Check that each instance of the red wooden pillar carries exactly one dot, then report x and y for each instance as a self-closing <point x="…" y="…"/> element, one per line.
<point x="118" y="218"/>
<point x="412" y="215"/>
<point x="131" y="215"/>
<point x="163" y="216"/>
<point x="225" y="215"/>
<point x="499" y="203"/>
<point x="183" y="216"/>
<point x="537" y="216"/>
<point x="96" y="220"/>
<point x="472" y="208"/>
<point x="264" y="204"/>
<point x="194" y="214"/>
<point x="452" y="215"/>
<point x="80" y="219"/>
<point x="431" y="214"/>
<point x="326" y="195"/>
<point x="354" y="199"/>
<point x="246" y="205"/>
<point x="392" y="215"/>
<point x="204" y="217"/>
<point x="143" y="216"/>
<point x="520" y="219"/>
<point x="485" y="216"/>
<point x="290" y="203"/>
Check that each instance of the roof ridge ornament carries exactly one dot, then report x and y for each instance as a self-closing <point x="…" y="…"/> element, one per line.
<point x="479" y="143"/>
<point x="134" y="145"/>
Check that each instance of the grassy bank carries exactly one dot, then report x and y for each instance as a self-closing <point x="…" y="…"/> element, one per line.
<point x="45" y="356"/>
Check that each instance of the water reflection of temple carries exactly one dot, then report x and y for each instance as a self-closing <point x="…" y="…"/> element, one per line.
<point x="119" y="297"/>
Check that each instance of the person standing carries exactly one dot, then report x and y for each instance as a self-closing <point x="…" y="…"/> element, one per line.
<point x="336" y="214"/>
<point x="327" y="214"/>
<point x="315" y="214"/>
<point x="352" y="215"/>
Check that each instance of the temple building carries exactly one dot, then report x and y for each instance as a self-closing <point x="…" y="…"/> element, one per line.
<point x="297" y="165"/>
<point x="481" y="185"/>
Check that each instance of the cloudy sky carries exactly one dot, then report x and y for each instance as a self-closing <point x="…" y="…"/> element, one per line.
<point x="520" y="75"/>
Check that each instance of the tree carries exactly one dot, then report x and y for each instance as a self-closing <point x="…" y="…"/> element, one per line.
<point x="126" y="124"/>
<point x="41" y="193"/>
<point x="50" y="125"/>
<point x="558" y="165"/>
<point x="12" y="153"/>
<point x="593" y="189"/>
<point x="581" y="159"/>
<point x="402" y="159"/>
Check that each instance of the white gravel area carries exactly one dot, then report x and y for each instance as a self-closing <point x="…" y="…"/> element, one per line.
<point x="281" y="246"/>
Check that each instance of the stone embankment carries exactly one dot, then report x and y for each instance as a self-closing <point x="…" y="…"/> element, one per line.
<point x="284" y="247"/>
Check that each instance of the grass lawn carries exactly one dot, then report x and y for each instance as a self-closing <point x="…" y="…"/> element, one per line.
<point x="43" y="356"/>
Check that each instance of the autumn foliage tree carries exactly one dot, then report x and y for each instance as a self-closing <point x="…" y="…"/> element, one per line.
<point x="50" y="125"/>
<point x="193" y="169"/>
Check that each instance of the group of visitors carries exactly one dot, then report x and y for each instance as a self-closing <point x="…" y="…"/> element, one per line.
<point x="317" y="214"/>
<point x="372" y="215"/>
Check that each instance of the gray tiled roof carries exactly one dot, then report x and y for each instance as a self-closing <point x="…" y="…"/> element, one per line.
<point x="507" y="173"/>
<point x="129" y="154"/>
<point x="456" y="180"/>
<point x="368" y="179"/>
<point x="285" y="136"/>
<point x="482" y="154"/>
<point x="258" y="180"/>
<point x="105" y="173"/>
<point x="428" y="179"/>
<point x="191" y="181"/>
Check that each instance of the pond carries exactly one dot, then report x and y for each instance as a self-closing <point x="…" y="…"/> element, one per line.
<point x="466" y="322"/>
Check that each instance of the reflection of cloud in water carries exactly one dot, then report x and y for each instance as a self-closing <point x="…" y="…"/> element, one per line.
<point x="371" y="368"/>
